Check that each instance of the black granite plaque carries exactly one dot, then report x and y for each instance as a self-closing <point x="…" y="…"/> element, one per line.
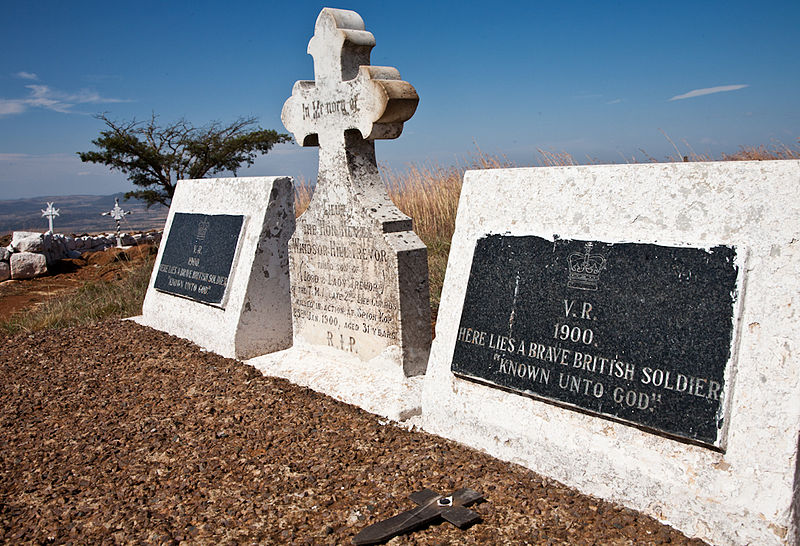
<point x="636" y="332"/>
<point x="198" y="256"/>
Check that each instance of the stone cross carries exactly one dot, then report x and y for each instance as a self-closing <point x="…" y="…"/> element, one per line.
<point x="50" y="213"/>
<point x="117" y="214"/>
<point x="355" y="261"/>
<point x="349" y="105"/>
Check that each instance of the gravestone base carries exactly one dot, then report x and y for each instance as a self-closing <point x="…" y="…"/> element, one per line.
<point x="253" y="314"/>
<point x="743" y="489"/>
<point x="378" y="385"/>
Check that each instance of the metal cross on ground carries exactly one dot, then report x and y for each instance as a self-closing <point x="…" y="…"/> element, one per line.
<point x="117" y="214"/>
<point x="50" y="213"/>
<point x="432" y="506"/>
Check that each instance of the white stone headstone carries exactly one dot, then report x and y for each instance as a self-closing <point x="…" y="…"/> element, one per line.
<point x="665" y="375"/>
<point x="359" y="273"/>
<point x="221" y="277"/>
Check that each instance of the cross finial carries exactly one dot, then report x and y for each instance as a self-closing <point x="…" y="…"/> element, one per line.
<point x="339" y="46"/>
<point x="347" y="94"/>
<point x="117" y="213"/>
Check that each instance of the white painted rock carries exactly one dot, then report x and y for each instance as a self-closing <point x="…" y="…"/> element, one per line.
<point x="53" y="247"/>
<point x="26" y="265"/>
<point x="27" y="241"/>
<point x="5" y="271"/>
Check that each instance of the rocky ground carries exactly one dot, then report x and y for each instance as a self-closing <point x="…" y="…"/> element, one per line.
<point x="122" y="434"/>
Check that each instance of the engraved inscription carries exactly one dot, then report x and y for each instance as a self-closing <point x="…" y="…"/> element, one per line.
<point x="344" y="297"/>
<point x="317" y="109"/>
<point x="648" y="344"/>
<point x="198" y="256"/>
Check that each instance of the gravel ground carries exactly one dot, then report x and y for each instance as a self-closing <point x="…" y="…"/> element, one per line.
<point x="122" y="434"/>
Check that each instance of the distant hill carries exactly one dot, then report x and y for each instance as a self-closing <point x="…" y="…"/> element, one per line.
<point x="79" y="214"/>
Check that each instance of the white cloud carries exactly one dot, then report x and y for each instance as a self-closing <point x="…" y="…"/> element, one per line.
<point x="11" y="107"/>
<point x="43" y="96"/>
<point x="13" y="157"/>
<point x="27" y="75"/>
<point x="709" y="91"/>
<point x="615" y="101"/>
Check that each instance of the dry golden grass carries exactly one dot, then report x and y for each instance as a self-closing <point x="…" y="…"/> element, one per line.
<point x="429" y="193"/>
<point x="776" y="150"/>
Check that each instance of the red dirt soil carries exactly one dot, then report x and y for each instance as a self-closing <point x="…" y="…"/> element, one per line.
<point x="67" y="275"/>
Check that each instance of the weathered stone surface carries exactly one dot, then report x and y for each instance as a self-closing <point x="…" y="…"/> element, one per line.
<point x="253" y="315"/>
<point x="26" y="265"/>
<point x="27" y="241"/>
<point x="54" y="247"/>
<point x="745" y="491"/>
<point x="359" y="273"/>
<point x="5" y="271"/>
<point x="4" y="254"/>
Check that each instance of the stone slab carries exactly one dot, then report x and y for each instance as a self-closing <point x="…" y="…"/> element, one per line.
<point x="198" y="256"/>
<point x="743" y="490"/>
<point x="26" y="265"/>
<point x="575" y="321"/>
<point x="251" y="314"/>
<point x="377" y="385"/>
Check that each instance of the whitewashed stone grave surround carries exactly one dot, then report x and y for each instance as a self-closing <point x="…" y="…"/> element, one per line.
<point x="253" y="313"/>
<point x="359" y="273"/>
<point x="739" y="485"/>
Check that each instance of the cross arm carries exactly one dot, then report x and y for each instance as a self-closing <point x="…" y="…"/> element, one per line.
<point x="456" y="513"/>
<point x="395" y="100"/>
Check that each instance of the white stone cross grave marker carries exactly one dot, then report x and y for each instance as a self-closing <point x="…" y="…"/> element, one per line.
<point x="117" y="214"/>
<point x="359" y="274"/>
<point x="50" y="213"/>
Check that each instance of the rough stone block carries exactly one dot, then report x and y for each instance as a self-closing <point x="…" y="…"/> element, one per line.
<point x="27" y="241"/>
<point x="26" y="265"/>
<point x="5" y="271"/>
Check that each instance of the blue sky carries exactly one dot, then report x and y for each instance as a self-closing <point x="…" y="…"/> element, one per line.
<point x="594" y="79"/>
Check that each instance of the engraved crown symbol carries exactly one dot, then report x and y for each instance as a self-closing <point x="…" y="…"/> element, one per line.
<point x="202" y="229"/>
<point x="585" y="268"/>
